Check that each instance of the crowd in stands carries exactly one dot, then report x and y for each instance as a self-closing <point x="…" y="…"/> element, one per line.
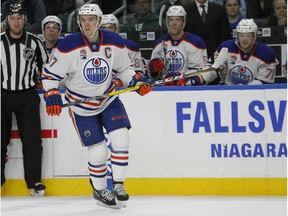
<point x="264" y="12"/>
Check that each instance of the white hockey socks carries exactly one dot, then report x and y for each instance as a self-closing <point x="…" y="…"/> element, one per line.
<point x="97" y="156"/>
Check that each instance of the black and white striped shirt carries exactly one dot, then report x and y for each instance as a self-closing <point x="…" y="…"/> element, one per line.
<point x="21" y="61"/>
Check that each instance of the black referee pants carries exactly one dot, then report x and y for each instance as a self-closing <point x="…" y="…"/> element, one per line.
<point x="25" y="106"/>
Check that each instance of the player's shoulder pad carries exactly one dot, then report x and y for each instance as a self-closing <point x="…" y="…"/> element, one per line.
<point x="195" y="40"/>
<point x="230" y="44"/>
<point x="159" y="40"/>
<point x="131" y="45"/>
<point x="70" y="42"/>
<point x="111" y="38"/>
<point x="264" y="52"/>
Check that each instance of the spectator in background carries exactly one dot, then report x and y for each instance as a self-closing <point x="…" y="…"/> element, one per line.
<point x="143" y="20"/>
<point x="68" y="6"/>
<point x="278" y="14"/>
<point x="35" y="11"/>
<point x="259" y="10"/>
<point x="52" y="6"/>
<point x="243" y="11"/>
<point x="233" y="12"/>
<point x="215" y="28"/>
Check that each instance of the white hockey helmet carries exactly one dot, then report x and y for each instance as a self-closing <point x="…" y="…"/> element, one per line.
<point x="90" y="9"/>
<point x="51" y="19"/>
<point x="176" y="10"/>
<point x="247" y="26"/>
<point x="110" y="19"/>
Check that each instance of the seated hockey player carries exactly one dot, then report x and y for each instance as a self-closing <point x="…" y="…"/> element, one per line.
<point x="89" y="57"/>
<point x="248" y="62"/>
<point x="178" y="51"/>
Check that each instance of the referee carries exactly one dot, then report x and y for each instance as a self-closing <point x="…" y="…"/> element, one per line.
<point x="22" y="57"/>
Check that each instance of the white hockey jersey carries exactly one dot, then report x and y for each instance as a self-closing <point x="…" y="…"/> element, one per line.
<point x="135" y="55"/>
<point x="187" y="54"/>
<point x="89" y="67"/>
<point x="255" y="68"/>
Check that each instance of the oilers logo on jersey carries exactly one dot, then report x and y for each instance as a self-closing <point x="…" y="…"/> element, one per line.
<point x="96" y="70"/>
<point x="240" y="75"/>
<point x="175" y="60"/>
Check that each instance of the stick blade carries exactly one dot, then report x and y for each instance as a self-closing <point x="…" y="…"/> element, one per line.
<point x="221" y="58"/>
<point x="161" y="14"/>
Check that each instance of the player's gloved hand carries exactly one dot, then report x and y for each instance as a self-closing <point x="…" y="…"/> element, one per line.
<point x="117" y="82"/>
<point x="53" y="102"/>
<point x="196" y="80"/>
<point x="144" y="82"/>
<point x="181" y="82"/>
<point x="156" y="65"/>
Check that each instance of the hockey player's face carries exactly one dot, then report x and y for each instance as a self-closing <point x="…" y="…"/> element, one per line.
<point x="16" y="23"/>
<point x="88" y="24"/>
<point x="175" y="25"/>
<point x="246" y="41"/>
<point x="51" y="32"/>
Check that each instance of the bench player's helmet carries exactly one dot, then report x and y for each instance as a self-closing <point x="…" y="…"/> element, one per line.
<point x="54" y="19"/>
<point x="177" y="11"/>
<point x="246" y="26"/>
<point x="110" y="19"/>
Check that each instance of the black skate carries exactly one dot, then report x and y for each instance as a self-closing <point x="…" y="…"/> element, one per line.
<point x="106" y="198"/>
<point x="38" y="189"/>
<point x="120" y="193"/>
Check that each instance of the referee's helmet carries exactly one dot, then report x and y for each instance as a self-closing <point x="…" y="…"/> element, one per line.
<point x="16" y="9"/>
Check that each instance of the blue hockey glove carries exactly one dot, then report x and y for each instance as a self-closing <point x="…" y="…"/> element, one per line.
<point x="196" y="80"/>
<point x="146" y="87"/>
<point x="53" y="102"/>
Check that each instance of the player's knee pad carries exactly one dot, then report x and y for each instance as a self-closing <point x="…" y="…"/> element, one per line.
<point x="120" y="139"/>
<point x="97" y="154"/>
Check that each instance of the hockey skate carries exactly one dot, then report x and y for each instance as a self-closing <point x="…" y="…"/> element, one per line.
<point x="38" y="190"/>
<point x="120" y="193"/>
<point x="106" y="199"/>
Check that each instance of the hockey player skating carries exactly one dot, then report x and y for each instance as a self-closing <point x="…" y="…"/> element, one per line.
<point x="89" y="57"/>
<point x="110" y="22"/>
<point x="248" y="62"/>
<point x="183" y="52"/>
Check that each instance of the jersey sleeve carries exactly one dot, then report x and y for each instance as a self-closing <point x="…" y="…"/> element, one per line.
<point x="55" y="70"/>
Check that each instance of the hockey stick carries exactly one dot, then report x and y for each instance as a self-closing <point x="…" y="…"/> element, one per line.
<point x="163" y="48"/>
<point x="135" y="88"/>
<point x="220" y="59"/>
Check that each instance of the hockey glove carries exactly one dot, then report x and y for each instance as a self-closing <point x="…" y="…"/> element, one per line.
<point x="145" y="88"/>
<point x="156" y="65"/>
<point x="196" y="80"/>
<point x="180" y="82"/>
<point x="53" y="102"/>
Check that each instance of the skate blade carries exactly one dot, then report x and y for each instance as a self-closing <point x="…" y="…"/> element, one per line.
<point x="122" y="203"/>
<point x="40" y="193"/>
<point x="117" y="206"/>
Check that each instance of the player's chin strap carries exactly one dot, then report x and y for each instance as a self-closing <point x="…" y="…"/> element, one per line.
<point x="96" y="28"/>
